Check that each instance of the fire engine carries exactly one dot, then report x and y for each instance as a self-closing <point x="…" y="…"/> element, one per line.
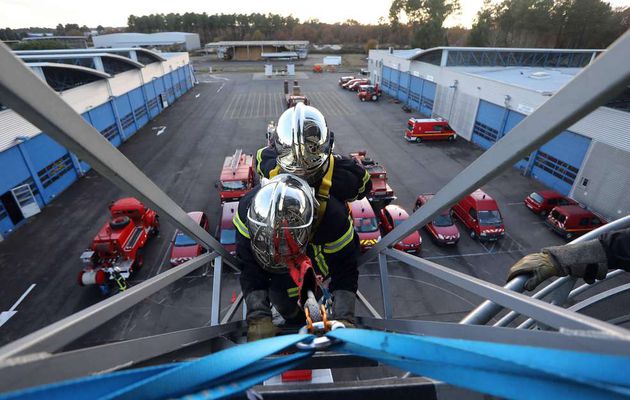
<point x="381" y="193"/>
<point x="237" y="176"/>
<point x="295" y="96"/>
<point x="117" y="250"/>
<point x="369" y="92"/>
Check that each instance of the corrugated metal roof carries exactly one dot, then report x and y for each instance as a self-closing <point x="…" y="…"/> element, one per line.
<point x="606" y="125"/>
<point x="14" y="126"/>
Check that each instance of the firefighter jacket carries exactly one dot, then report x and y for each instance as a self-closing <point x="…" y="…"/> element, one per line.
<point x="617" y="247"/>
<point x="350" y="181"/>
<point x="333" y="249"/>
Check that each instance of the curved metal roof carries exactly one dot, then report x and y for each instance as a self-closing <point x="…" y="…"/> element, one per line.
<point x="151" y="53"/>
<point x="57" y="56"/>
<point x="90" y="71"/>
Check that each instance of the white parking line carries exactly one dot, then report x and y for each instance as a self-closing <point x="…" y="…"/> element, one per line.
<point x="17" y="303"/>
<point x="218" y="90"/>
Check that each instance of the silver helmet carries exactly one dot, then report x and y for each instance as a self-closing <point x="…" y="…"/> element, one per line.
<point x="279" y="219"/>
<point x="303" y="142"/>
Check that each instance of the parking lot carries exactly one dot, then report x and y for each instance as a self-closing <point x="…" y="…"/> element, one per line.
<point x="213" y="119"/>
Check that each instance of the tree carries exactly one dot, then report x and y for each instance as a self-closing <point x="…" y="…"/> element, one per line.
<point x="426" y="18"/>
<point x="258" y="35"/>
<point x="480" y="31"/>
<point x="371" y="44"/>
<point x="40" y="45"/>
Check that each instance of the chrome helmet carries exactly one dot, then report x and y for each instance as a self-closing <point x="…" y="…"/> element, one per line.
<point x="303" y="142"/>
<point x="279" y="219"/>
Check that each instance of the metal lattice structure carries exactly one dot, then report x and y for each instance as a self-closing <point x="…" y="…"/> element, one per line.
<point x="36" y="358"/>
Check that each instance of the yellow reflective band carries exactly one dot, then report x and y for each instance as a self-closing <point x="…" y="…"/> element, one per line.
<point x="323" y="192"/>
<point x="340" y="243"/>
<point x="366" y="178"/>
<point x="238" y="224"/>
<point x="274" y="171"/>
<point x="259" y="160"/>
<point x="319" y="259"/>
<point x="368" y="242"/>
<point x="293" y="292"/>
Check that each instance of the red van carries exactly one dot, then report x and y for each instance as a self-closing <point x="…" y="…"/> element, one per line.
<point x="543" y="201"/>
<point x="365" y="223"/>
<point x="573" y="221"/>
<point x="419" y="129"/>
<point x="480" y="214"/>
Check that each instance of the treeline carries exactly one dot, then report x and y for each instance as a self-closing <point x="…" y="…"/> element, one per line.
<point x="549" y="23"/>
<point x="217" y="27"/>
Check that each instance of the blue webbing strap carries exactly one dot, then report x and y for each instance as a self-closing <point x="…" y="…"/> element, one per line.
<point x="220" y="374"/>
<point x="511" y="371"/>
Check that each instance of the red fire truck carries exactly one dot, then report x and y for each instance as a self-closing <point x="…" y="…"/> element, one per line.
<point x="237" y="176"/>
<point x="117" y="250"/>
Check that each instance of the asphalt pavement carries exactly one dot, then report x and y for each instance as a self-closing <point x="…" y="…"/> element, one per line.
<point x="223" y="113"/>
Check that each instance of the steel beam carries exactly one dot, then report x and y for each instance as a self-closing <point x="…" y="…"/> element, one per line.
<point x="583" y="288"/>
<point x="60" y="333"/>
<point x="35" y="101"/>
<point x="367" y="305"/>
<point x="215" y="306"/>
<point x="484" y="312"/>
<point x="232" y="310"/>
<point x="600" y="297"/>
<point x="595" y="84"/>
<point x="21" y="372"/>
<point x="545" y="313"/>
<point x="385" y="292"/>
<point x="564" y="340"/>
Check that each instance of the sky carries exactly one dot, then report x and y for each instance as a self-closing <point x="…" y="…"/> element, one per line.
<point x="47" y="13"/>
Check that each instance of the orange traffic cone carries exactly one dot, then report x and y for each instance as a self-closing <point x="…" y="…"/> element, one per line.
<point x="233" y="297"/>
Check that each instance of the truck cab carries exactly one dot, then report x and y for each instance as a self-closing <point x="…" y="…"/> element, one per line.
<point x="480" y="215"/>
<point x="237" y="176"/>
<point x="419" y="129"/>
<point x="381" y="192"/>
<point x="365" y="223"/>
<point x="226" y="233"/>
<point x="369" y="92"/>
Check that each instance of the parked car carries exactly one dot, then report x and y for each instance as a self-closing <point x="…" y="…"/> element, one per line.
<point x="226" y="234"/>
<point x="345" y="79"/>
<point x="365" y="223"/>
<point x="480" y="214"/>
<point x="543" y="201"/>
<point x="358" y="81"/>
<point x="183" y="247"/>
<point x="390" y="217"/>
<point x="419" y="129"/>
<point x="572" y="221"/>
<point x="442" y="228"/>
<point x="237" y="176"/>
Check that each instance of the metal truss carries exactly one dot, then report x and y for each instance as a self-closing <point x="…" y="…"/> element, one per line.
<point x="36" y="359"/>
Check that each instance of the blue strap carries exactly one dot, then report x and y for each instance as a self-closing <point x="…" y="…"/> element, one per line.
<point x="499" y="369"/>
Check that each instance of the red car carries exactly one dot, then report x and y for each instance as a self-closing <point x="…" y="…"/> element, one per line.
<point x="480" y="214"/>
<point x="184" y="248"/>
<point x="442" y="229"/>
<point x="345" y="79"/>
<point x="542" y="202"/>
<point x="365" y="223"/>
<point x="573" y="221"/>
<point x="391" y="216"/>
<point x="226" y="232"/>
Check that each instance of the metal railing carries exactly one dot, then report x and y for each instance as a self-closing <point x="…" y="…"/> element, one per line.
<point x="26" y="361"/>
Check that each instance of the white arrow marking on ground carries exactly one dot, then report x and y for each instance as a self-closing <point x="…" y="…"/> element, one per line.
<point x="160" y="130"/>
<point x="223" y="84"/>
<point x="197" y="96"/>
<point x="6" y="315"/>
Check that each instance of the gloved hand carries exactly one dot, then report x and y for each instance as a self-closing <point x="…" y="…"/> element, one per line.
<point x="585" y="260"/>
<point x="261" y="328"/>
<point x="343" y="307"/>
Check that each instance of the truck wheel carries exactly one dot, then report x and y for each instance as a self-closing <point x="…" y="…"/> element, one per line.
<point x="363" y="99"/>
<point x="543" y="213"/>
<point x="473" y="235"/>
<point x="119" y="222"/>
<point x="418" y="140"/>
<point x="139" y="262"/>
<point x="568" y="235"/>
<point x="451" y="138"/>
<point x="374" y="97"/>
<point x="156" y="226"/>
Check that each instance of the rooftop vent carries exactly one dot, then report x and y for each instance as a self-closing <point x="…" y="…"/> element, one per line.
<point x="539" y="75"/>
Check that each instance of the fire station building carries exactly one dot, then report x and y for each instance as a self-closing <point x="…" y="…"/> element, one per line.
<point x="117" y="91"/>
<point x="485" y="92"/>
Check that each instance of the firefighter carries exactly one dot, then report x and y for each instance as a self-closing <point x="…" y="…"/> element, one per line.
<point x="285" y="208"/>
<point x="589" y="260"/>
<point x="302" y="145"/>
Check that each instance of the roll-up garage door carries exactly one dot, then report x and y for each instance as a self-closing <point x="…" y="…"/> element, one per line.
<point x="487" y="129"/>
<point x="415" y="92"/>
<point x="394" y="82"/>
<point x="558" y="162"/>
<point x="427" y="99"/>
<point x="387" y="81"/>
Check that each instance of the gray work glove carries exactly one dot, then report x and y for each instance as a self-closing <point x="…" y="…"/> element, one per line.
<point x="586" y="260"/>
<point x="343" y="307"/>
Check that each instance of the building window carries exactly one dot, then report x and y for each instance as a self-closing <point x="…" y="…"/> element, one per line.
<point x="485" y="132"/>
<point x="556" y="167"/>
<point x="54" y="171"/>
<point x="3" y="211"/>
<point x="31" y="183"/>
<point x="127" y="121"/>
<point x="110" y="132"/>
<point x="140" y="112"/>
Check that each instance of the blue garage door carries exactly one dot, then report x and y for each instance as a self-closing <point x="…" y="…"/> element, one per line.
<point x="387" y="81"/>
<point x="139" y="107"/>
<point x="558" y="162"/>
<point x="513" y="118"/>
<point x="125" y="112"/>
<point x="153" y="103"/>
<point x="415" y="92"/>
<point x="403" y="90"/>
<point x="487" y="129"/>
<point x="102" y="118"/>
<point x="394" y="82"/>
<point x="427" y="99"/>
